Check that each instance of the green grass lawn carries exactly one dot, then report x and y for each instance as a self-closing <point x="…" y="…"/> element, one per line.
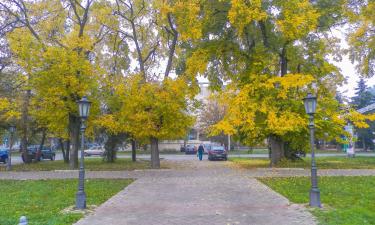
<point x="359" y="162"/>
<point x="42" y="201"/>
<point x="265" y="151"/>
<point x="253" y="151"/>
<point x="95" y="164"/>
<point x="346" y="200"/>
<point x="148" y="152"/>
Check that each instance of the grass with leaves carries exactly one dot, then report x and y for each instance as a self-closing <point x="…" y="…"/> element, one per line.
<point x="42" y="201"/>
<point x="93" y="164"/>
<point x="359" y="162"/>
<point x="346" y="200"/>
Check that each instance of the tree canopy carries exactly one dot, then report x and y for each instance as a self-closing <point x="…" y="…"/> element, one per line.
<point x="139" y="62"/>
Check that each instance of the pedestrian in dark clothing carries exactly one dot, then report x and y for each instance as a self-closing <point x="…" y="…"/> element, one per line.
<point x="200" y="152"/>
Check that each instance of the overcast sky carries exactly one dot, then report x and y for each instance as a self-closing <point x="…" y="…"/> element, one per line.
<point x="348" y="69"/>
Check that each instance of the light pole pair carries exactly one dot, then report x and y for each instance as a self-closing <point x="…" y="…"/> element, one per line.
<point x="84" y="109"/>
<point x="310" y="107"/>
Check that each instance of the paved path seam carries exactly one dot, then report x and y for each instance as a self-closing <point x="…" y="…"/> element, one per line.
<point x="39" y="175"/>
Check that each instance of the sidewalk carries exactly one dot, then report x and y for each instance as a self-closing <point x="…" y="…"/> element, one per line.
<point x="250" y="173"/>
<point x="206" y="193"/>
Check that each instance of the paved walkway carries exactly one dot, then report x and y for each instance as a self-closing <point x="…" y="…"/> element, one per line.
<point x="250" y="173"/>
<point x="193" y="192"/>
<point x="200" y="193"/>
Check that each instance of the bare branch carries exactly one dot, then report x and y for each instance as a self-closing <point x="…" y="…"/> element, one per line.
<point x="151" y="52"/>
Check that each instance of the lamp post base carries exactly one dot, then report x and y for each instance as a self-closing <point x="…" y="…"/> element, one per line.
<point x="81" y="200"/>
<point x="315" y="197"/>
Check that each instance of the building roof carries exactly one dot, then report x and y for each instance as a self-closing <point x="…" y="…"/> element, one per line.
<point x="367" y="109"/>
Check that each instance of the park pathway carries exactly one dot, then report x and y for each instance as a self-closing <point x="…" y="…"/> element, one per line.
<point x="198" y="193"/>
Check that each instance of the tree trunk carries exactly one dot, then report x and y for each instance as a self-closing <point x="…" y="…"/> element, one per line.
<point x="74" y="138"/>
<point x="277" y="149"/>
<point x="155" y="160"/>
<point x="283" y="62"/>
<point x="43" y="139"/>
<point x="363" y="144"/>
<point x="24" y="125"/>
<point x="44" y="133"/>
<point x="110" y="148"/>
<point x="134" y="153"/>
<point x="65" y="152"/>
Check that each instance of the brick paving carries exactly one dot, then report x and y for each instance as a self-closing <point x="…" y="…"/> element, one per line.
<point x="199" y="193"/>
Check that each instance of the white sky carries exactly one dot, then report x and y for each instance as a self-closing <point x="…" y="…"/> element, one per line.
<point x="348" y="69"/>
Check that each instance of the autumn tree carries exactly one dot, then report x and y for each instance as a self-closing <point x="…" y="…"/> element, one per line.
<point x="361" y="35"/>
<point x="271" y="52"/>
<point x="151" y="27"/>
<point x="63" y="40"/>
<point x="210" y="113"/>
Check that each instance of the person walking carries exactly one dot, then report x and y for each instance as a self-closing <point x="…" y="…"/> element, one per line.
<point x="200" y="152"/>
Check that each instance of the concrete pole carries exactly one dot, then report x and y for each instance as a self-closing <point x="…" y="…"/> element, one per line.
<point x="314" y="192"/>
<point x="228" y="142"/>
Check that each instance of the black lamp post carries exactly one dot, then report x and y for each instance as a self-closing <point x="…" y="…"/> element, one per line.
<point x="84" y="108"/>
<point x="12" y="129"/>
<point x="310" y="107"/>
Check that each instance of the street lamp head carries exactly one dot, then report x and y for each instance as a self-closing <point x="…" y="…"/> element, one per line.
<point x="12" y="128"/>
<point x="310" y="104"/>
<point x="84" y="107"/>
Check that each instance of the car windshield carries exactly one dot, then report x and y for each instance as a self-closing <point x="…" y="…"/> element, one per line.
<point x="218" y="148"/>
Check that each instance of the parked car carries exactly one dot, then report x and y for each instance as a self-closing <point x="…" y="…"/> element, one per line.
<point x="95" y="150"/>
<point x="299" y="154"/>
<point x="47" y="153"/>
<point x="217" y="152"/>
<point x="190" y="150"/>
<point x="4" y="155"/>
<point x="90" y="145"/>
<point x="182" y="148"/>
<point x="33" y="153"/>
<point x="207" y="148"/>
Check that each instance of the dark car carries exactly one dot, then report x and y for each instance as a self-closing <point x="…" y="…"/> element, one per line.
<point x="182" y="148"/>
<point x="298" y="154"/>
<point x="190" y="150"/>
<point x="47" y="153"/>
<point x="217" y="152"/>
<point x="3" y="155"/>
<point x="34" y="153"/>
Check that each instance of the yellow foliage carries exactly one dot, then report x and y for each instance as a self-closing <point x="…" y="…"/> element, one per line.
<point x="359" y="119"/>
<point x="361" y="37"/>
<point x="8" y="110"/>
<point x="297" y="18"/>
<point x="243" y="12"/>
<point x="271" y="105"/>
<point x="187" y="14"/>
<point x="151" y="109"/>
